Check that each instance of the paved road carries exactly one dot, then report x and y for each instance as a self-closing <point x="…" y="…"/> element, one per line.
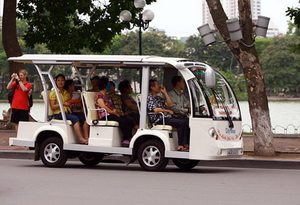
<point x="28" y="182"/>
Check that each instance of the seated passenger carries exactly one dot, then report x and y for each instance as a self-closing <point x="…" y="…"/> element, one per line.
<point x="102" y="100"/>
<point x="95" y="82"/>
<point x="157" y="104"/>
<point x="65" y="96"/>
<point x="181" y="105"/>
<point x="76" y="104"/>
<point x="116" y="98"/>
<point x="129" y="104"/>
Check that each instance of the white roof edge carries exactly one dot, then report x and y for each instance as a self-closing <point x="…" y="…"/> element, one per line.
<point x="56" y="58"/>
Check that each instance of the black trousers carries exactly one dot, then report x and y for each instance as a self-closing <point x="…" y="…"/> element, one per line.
<point x="135" y="117"/>
<point x="125" y="125"/>
<point x="182" y="126"/>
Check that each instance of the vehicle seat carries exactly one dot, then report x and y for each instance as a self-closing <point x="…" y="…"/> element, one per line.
<point x="91" y="112"/>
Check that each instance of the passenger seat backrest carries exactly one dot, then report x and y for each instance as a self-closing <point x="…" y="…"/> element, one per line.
<point x="92" y="114"/>
<point x="138" y="98"/>
<point x="50" y="111"/>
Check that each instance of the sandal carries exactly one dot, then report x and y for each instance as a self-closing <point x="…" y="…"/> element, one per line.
<point x="125" y="143"/>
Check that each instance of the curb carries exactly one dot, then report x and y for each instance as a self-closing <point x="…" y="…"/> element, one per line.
<point x="17" y="154"/>
<point x="254" y="163"/>
<point x="237" y="163"/>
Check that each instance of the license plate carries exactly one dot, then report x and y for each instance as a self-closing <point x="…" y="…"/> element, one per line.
<point x="233" y="151"/>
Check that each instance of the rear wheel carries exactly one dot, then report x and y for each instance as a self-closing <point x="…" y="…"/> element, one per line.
<point x="185" y="164"/>
<point x="151" y="156"/>
<point x="90" y="159"/>
<point x="52" y="153"/>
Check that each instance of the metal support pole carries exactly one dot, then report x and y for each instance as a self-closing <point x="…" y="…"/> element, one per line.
<point x="140" y="33"/>
<point x="144" y="95"/>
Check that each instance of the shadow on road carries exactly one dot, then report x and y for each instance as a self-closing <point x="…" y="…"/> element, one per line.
<point x="120" y="167"/>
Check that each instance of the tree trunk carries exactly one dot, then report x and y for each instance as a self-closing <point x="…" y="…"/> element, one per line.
<point x="244" y="50"/>
<point x="258" y="105"/>
<point x="9" y="34"/>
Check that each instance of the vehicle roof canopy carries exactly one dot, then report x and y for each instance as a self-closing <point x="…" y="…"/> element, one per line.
<point x="98" y="60"/>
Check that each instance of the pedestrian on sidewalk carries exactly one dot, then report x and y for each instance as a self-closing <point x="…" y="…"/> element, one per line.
<point x="20" y="102"/>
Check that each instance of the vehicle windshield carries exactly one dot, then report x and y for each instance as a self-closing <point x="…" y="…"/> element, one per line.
<point x="221" y="99"/>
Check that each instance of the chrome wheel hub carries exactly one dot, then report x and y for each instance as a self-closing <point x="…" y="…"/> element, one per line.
<point x="52" y="152"/>
<point x="151" y="156"/>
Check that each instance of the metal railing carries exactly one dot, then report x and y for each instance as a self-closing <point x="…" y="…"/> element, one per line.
<point x="278" y="129"/>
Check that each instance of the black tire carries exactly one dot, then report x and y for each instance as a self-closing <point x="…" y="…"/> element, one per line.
<point x="185" y="164"/>
<point x="90" y="159"/>
<point x="151" y="156"/>
<point x="52" y="153"/>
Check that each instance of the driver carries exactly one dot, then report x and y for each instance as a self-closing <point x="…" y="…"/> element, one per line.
<point x="181" y="105"/>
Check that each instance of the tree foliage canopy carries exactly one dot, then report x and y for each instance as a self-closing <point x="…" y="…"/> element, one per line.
<point x="154" y="42"/>
<point x="67" y="26"/>
<point x="294" y="14"/>
<point x="217" y="55"/>
<point x="280" y="64"/>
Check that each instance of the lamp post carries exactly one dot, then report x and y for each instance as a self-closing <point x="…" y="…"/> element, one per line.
<point x="142" y="21"/>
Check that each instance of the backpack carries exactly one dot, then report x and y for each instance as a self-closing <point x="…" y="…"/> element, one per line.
<point x="11" y="93"/>
<point x="30" y="101"/>
<point x="10" y="97"/>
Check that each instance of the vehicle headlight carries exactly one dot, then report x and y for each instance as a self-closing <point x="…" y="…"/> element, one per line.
<point x="212" y="132"/>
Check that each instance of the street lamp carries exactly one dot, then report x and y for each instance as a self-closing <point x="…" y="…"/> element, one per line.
<point x="142" y="21"/>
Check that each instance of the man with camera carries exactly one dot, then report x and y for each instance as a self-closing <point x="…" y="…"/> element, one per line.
<point x="20" y="104"/>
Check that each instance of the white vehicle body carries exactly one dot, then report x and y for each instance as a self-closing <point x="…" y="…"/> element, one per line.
<point x="215" y="120"/>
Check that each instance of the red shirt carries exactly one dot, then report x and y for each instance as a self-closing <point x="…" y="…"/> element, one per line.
<point x="20" y="99"/>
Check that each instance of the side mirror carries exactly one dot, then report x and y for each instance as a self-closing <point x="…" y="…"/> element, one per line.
<point x="210" y="78"/>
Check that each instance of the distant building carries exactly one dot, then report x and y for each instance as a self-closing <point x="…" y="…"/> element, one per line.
<point x="231" y="9"/>
<point x="272" y="30"/>
<point x="1" y="7"/>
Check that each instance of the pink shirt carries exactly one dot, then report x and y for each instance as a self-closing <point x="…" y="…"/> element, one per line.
<point x="107" y="101"/>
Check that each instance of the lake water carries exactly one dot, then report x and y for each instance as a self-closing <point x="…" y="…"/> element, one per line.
<point x="285" y="116"/>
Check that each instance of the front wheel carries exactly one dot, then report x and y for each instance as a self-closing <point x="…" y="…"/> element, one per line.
<point x="185" y="164"/>
<point x="90" y="159"/>
<point x="52" y="153"/>
<point x="151" y="156"/>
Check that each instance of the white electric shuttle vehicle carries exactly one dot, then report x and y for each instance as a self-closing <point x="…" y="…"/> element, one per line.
<point x="215" y="118"/>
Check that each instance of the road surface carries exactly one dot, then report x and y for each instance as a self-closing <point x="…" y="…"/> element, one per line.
<point x="29" y="182"/>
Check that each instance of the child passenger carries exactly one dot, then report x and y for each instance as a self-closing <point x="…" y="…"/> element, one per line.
<point x="76" y="104"/>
